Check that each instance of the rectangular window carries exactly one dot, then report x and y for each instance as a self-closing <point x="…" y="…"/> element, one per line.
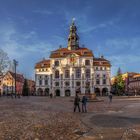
<point x="87" y="73"/>
<point x="78" y="83"/>
<point x="104" y="81"/>
<point x="46" y="82"/>
<point x="78" y="73"/>
<point x="98" y="75"/>
<point x="57" y="84"/>
<point x="97" y="82"/>
<point x="67" y="74"/>
<point x="87" y="62"/>
<point x="96" y="68"/>
<point x="40" y="82"/>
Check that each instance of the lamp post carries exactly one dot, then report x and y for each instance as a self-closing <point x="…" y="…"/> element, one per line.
<point x="15" y="65"/>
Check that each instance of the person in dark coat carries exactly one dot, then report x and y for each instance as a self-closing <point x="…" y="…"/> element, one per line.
<point x="84" y="104"/>
<point x="51" y="95"/>
<point x="110" y="98"/>
<point x="76" y="103"/>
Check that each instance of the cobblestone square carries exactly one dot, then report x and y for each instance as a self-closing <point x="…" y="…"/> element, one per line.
<point x="42" y="118"/>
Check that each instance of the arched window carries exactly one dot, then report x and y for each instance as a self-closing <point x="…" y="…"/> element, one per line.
<point x="78" y="73"/>
<point x="87" y="73"/>
<point x="57" y="74"/>
<point x="67" y="73"/>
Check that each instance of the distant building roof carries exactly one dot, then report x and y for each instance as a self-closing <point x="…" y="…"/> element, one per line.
<point x="136" y="76"/>
<point x="63" y="52"/>
<point x="101" y="62"/>
<point x="43" y="64"/>
<point x="19" y="77"/>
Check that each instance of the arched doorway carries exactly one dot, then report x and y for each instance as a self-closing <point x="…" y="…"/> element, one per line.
<point x="57" y="92"/>
<point x="104" y="91"/>
<point x="40" y="91"/>
<point x="47" y="90"/>
<point x="97" y="91"/>
<point x="67" y="92"/>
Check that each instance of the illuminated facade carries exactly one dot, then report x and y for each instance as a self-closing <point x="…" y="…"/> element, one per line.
<point x="8" y="83"/>
<point x="126" y="77"/>
<point x="72" y="70"/>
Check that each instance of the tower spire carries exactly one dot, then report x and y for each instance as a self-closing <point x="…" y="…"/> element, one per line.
<point x="73" y="39"/>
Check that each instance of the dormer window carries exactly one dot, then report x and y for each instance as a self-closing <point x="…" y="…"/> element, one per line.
<point x="56" y="63"/>
<point x="87" y="62"/>
<point x="85" y="53"/>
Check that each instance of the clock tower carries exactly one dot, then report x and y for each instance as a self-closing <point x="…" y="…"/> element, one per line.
<point x="73" y="39"/>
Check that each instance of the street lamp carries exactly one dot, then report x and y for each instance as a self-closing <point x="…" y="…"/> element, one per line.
<point x="15" y="65"/>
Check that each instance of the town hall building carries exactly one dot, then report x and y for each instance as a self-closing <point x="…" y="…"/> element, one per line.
<point x="72" y="70"/>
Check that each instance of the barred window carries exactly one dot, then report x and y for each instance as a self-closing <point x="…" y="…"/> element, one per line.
<point x="78" y="83"/>
<point x="78" y="73"/>
<point x="87" y="73"/>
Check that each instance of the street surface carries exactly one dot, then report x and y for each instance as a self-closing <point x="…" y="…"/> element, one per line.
<point x="42" y="118"/>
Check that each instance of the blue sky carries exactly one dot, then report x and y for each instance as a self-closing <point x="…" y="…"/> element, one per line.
<point x="30" y="29"/>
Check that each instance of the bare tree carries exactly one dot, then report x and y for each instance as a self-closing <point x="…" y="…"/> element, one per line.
<point x="4" y="61"/>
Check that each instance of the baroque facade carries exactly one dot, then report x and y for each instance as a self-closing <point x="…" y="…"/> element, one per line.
<point x="72" y="70"/>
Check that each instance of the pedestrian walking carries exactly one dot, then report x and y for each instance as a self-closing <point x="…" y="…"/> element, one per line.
<point x="110" y="98"/>
<point x="84" y="104"/>
<point x="76" y="103"/>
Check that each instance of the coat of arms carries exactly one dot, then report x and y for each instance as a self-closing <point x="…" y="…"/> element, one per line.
<point x="73" y="58"/>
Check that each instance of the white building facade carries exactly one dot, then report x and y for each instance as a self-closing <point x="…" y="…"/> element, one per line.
<point x="72" y="70"/>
